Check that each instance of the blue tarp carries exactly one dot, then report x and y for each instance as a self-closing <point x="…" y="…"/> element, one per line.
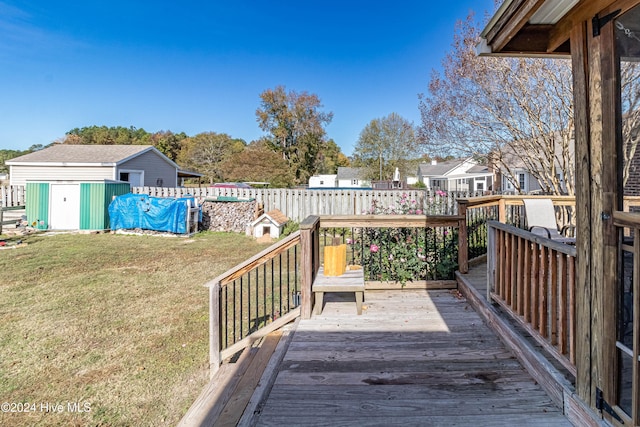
<point x="131" y="211"/>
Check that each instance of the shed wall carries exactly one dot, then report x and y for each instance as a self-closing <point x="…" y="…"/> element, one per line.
<point x="95" y="198"/>
<point x="19" y="174"/>
<point x="37" y="204"/>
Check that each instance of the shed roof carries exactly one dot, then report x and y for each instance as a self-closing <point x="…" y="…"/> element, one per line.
<point x="70" y="154"/>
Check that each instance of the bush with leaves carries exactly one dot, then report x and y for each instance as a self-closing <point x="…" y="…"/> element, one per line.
<point x="405" y="254"/>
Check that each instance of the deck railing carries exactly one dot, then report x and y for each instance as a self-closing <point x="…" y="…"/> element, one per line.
<point x="255" y="298"/>
<point x="533" y="279"/>
<point x="507" y="210"/>
<point x="439" y="237"/>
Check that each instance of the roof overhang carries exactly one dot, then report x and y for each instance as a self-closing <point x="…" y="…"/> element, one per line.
<point x="536" y="27"/>
<point x="189" y="174"/>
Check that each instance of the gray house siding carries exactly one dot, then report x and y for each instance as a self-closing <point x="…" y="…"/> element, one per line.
<point x="157" y="171"/>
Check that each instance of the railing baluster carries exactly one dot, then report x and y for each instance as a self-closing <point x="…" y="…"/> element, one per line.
<point x="544" y="293"/>
<point x="553" y="296"/>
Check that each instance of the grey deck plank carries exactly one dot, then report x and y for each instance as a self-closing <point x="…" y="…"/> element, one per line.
<point x="411" y="358"/>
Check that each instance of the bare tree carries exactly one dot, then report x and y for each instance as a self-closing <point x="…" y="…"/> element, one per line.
<point x="513" y="110"/>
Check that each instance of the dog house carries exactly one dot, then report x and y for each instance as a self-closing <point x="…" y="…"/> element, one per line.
<point x="271" y="223"/>
<point x="71" y="205"/>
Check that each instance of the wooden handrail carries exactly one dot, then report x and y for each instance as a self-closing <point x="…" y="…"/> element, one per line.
<point x="216" y="353"/>
<point x="257" y="260"/>
<point x="533" y="279"/>
<point x="391" y="221"/>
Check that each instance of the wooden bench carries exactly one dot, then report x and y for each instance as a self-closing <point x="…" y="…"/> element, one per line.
<point x="350" y="281"/>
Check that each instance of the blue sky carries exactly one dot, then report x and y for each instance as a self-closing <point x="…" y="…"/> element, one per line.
<point x="197" y="66"/>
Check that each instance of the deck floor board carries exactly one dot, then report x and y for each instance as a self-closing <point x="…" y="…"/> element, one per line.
<point x="411" y="358"/>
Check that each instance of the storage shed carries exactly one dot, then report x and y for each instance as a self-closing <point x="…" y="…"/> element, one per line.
<point x="270" y="223"/>
<point x="71" y="205"/>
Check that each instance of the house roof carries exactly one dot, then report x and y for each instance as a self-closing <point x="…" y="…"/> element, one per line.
<point x="440" y="168"/>
<point x="349" y="173"/>
<point x="74" y="155"/>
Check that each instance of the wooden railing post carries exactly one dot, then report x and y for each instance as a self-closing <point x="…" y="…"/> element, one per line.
<point x="502" y="211"/>
<point x="309" y="261"/>
<point x="463" y="242"/>
<point x="214" y="328"/>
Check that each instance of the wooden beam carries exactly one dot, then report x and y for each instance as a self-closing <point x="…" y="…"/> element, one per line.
<point x="579" y="55"/>
<point x="607" y="288"/>
<point x="534" y="40"/>
<point x="514" y="24"/>
<point x="581" y="13"/>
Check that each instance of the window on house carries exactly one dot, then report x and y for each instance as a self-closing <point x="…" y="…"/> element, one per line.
<point x="124" y="176"/>
<point x="521" y="181"/>
<point x="354" y="182"/>
<point x="480" y="186"/>
<point x="321" y="182"/>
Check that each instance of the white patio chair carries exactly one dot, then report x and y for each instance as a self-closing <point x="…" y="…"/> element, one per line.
<point x="541" y="220"/>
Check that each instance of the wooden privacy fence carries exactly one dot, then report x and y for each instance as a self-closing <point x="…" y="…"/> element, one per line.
<point x="300" y="204"/>
<point x="533" y="279"/>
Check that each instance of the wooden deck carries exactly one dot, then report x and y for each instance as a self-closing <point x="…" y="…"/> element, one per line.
<point x="412" y="358"/>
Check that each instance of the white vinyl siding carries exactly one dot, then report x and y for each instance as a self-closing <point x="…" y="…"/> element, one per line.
<point x="19" y="174"/>
<point x="157" y="171"/>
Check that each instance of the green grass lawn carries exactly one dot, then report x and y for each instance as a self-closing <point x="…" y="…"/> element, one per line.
<point x="115" y="325"/>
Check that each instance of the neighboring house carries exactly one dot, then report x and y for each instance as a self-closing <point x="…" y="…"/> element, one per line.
<point x="139" y="165"/>
<point x="455" y="175"/>
<point x="352" y="178"/>
<point x="323" y="181"/>
<point x="513" y="176"/>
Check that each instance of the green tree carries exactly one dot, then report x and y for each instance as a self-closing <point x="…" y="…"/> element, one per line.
<point x="168" y="143"/>
<point x="295" y="124"/>
<point x="258" y="162"/>
<point x="330" y="158"/>
<point x="385" y="144"/>
<point x="206" y="152"/>
<point x="103" y="135"/>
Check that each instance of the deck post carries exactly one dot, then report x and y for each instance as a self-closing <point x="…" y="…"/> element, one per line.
<point x="309" y="261"/>
<point x="214" y="328"/>
<point x="502" y="210"/>
<point x="463" y="243"/>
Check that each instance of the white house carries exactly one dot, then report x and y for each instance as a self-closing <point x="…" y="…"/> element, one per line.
<point x="323" y="181"/>
<point x="352" y="178"/>
<point x="455" y="175"/>
<point x="140" y="165"/>
<point x="514" y="176"/>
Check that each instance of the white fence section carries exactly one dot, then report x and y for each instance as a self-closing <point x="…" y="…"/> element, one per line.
<point x="295" y="204"/>
<point x="13" y="195"/>
<point x="299" y="204"/>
